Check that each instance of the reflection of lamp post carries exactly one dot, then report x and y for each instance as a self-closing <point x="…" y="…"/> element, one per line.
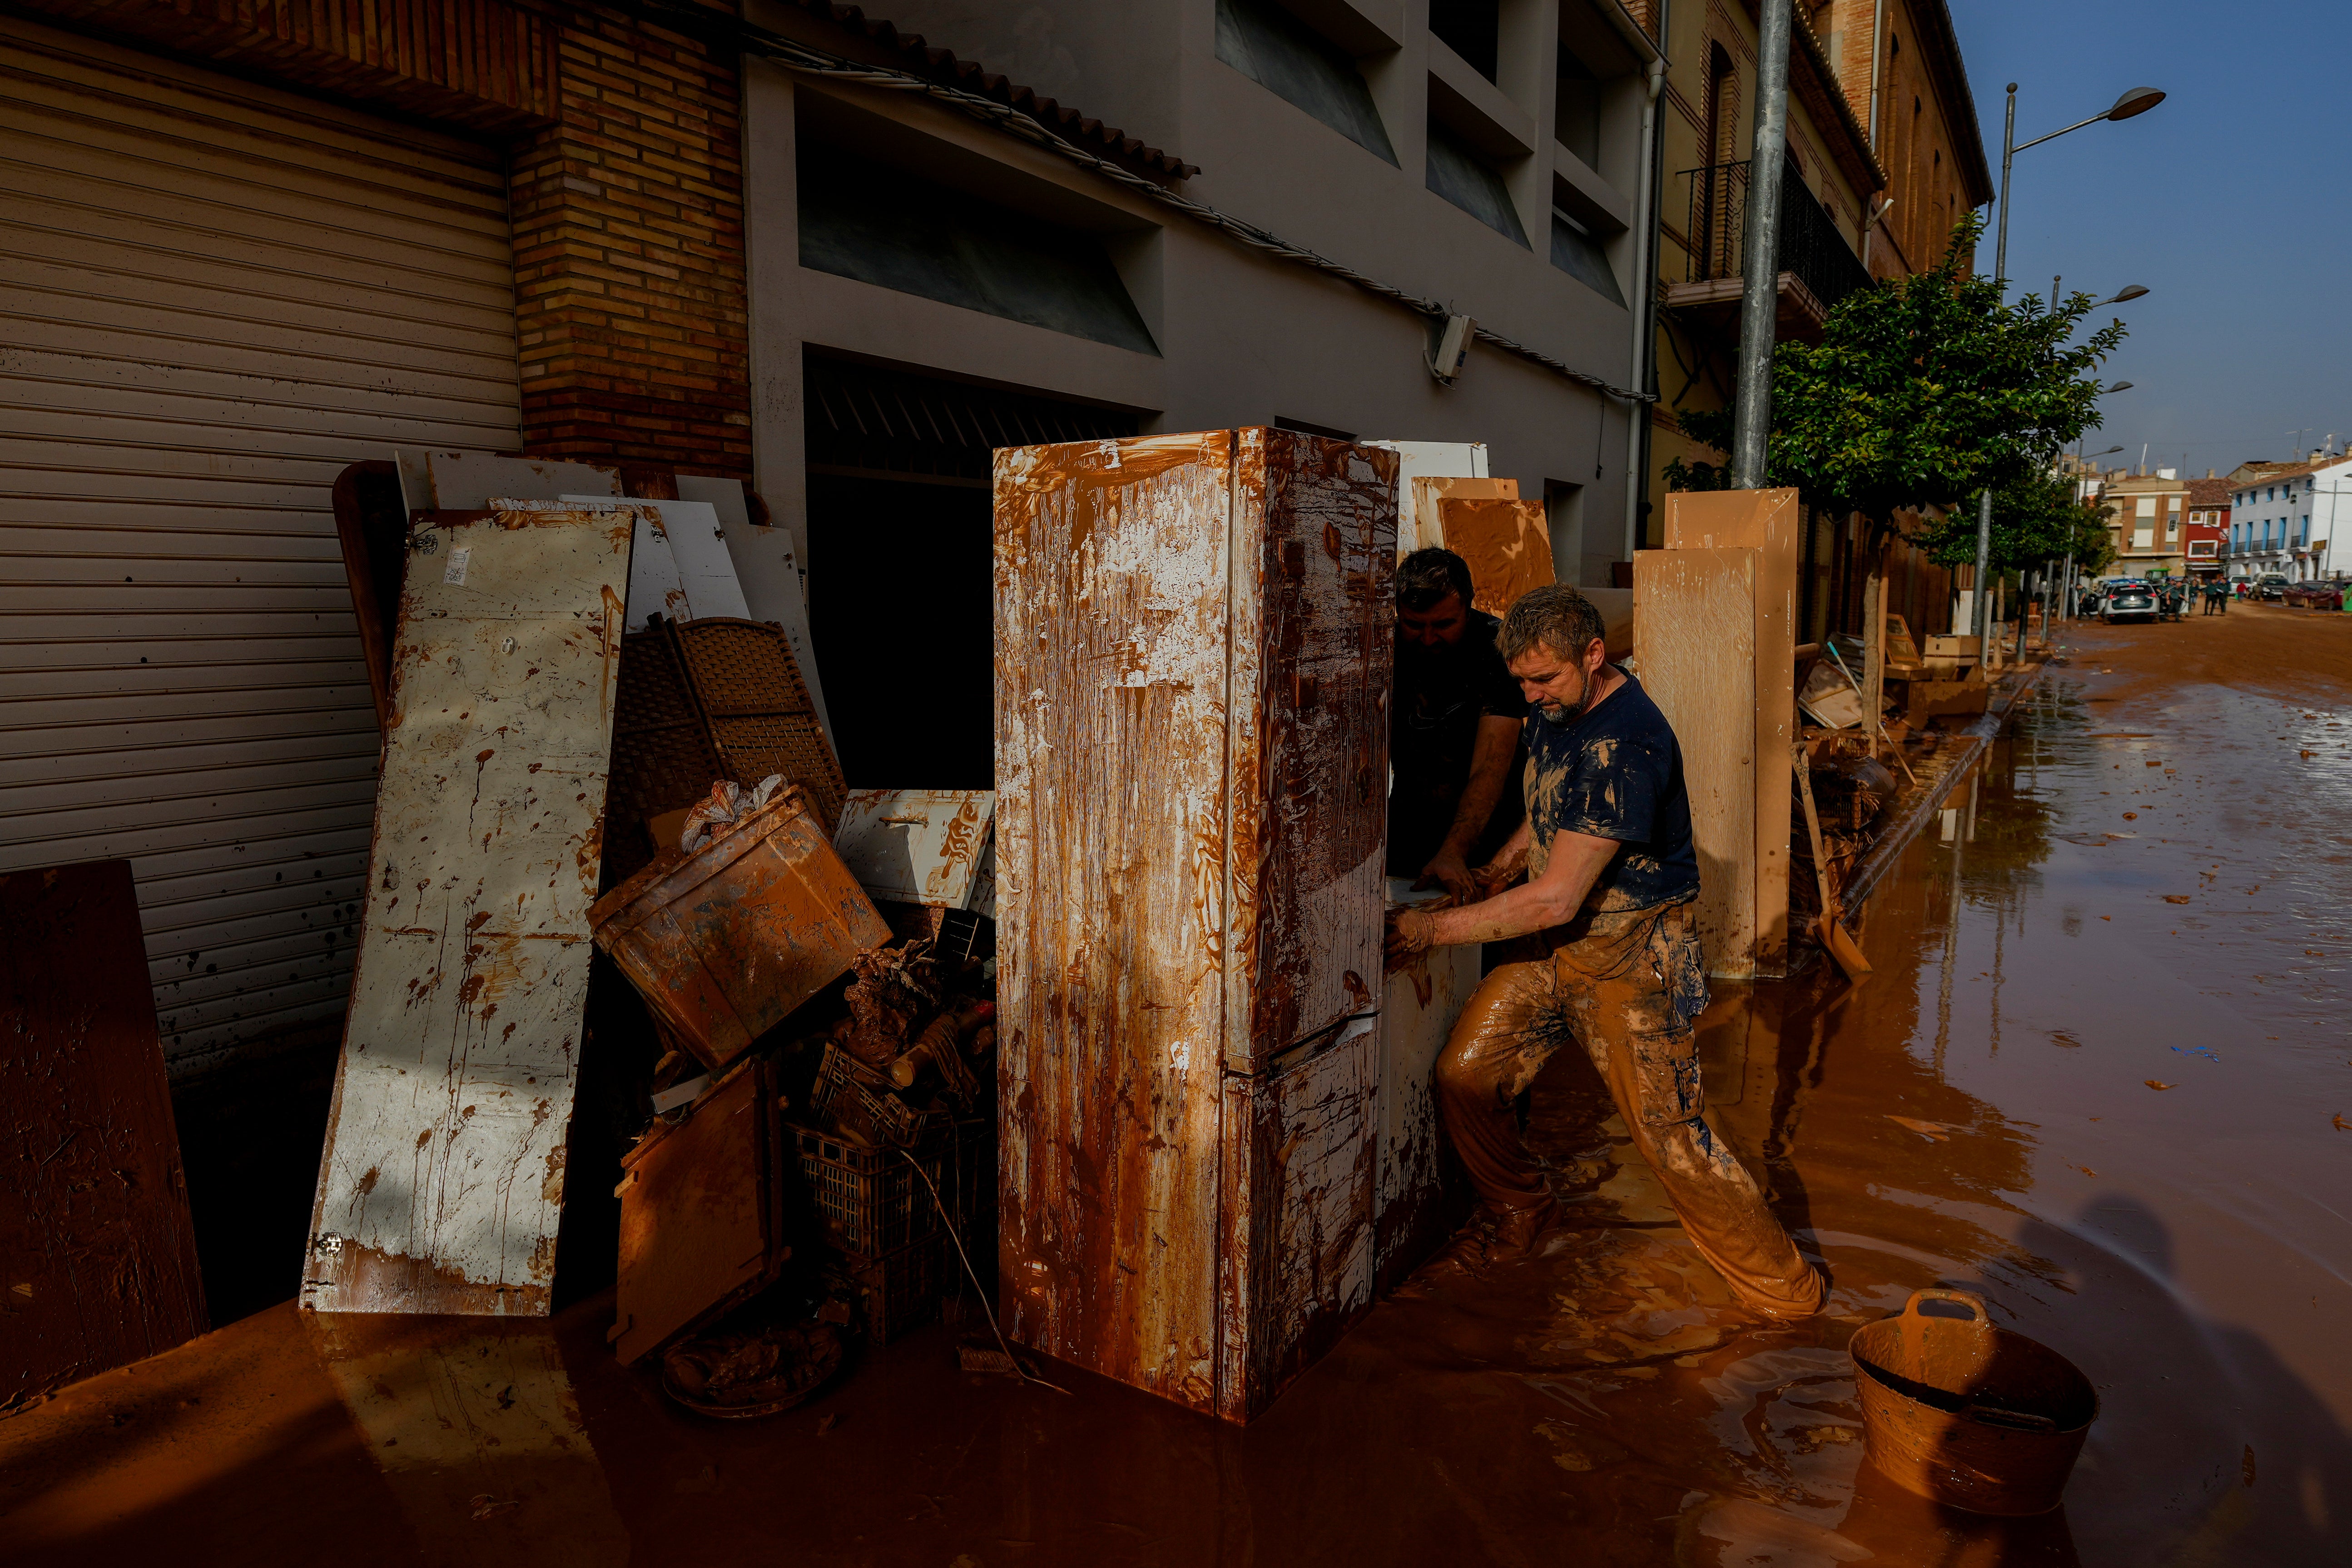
<point x="2138" y="101"/>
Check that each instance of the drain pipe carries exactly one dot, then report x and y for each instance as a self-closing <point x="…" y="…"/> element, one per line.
<point x="1645" y="301"/>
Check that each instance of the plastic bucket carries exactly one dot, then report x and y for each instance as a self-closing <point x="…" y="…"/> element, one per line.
<point x="1968" y="1414"/>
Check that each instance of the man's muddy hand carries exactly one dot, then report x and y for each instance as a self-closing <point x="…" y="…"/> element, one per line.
<point x="1407" y="933"/>
<point x="1447" y="869"/>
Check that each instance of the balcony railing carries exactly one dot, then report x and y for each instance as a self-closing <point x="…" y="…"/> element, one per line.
<point x="1810" y="245"/>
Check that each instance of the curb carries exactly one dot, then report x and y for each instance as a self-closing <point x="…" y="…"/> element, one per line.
<point x="1897" y="838"/>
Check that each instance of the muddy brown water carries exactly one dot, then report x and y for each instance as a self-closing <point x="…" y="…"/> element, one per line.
<point x="2148" y="880"/>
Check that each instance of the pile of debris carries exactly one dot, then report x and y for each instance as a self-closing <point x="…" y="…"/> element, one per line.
<point x="600" y="725"/>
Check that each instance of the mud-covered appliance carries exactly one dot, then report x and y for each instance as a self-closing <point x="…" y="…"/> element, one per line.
<point x="1193" y="641"/>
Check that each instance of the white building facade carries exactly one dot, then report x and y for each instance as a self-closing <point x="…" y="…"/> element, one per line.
<point x="2287" y="523"/>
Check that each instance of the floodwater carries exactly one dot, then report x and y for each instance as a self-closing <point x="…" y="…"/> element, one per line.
<point x="2145" y="884"/>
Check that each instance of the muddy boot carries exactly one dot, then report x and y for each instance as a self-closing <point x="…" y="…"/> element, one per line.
<point x="1493" y="1235"/>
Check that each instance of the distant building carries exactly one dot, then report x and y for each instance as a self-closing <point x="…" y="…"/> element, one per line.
<point x="2283" y="517"/>
<point x="2150" y="515"/>
<point x="2208" y="524"/>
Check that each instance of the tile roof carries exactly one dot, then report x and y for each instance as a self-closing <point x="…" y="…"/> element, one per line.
<point x="2208" y="492"/>
<point x="918" y="58"/>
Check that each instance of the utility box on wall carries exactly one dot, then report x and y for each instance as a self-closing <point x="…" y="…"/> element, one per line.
<point x="1193" y="642"/>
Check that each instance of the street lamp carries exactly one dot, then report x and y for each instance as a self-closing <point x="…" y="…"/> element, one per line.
<point x="1979" y="603"/>
<point x="2066" y="578"/>
<point x="2138" y="101"/>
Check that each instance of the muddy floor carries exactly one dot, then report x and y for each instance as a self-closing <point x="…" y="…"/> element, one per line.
<point x="2103" y="1075"/>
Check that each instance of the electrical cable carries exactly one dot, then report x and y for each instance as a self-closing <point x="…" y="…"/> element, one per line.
<point x="970" y="1273"/>
<point x="809" y="60"/>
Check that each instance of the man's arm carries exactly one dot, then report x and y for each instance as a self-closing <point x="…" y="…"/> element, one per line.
<point x="1577" y="861"/>
<point x="1490" y="768"/>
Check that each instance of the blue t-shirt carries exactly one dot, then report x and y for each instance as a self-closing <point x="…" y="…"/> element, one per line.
<point x="1614" y="771"/>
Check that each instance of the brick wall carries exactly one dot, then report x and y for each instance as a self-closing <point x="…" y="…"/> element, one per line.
<point x="625" y="178"/>
<point x="629" y="259"/>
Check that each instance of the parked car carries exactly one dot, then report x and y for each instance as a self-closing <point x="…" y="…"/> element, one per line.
<point x="2273" y="586"/>
<point x="2321" y="593"/>
<point x="2130" y="602"/>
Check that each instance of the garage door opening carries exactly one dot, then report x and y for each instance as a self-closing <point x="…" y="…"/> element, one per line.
<point x="901" y="602"/>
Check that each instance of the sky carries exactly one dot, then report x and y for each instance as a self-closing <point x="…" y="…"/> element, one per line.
<point x="2228" y="201"/>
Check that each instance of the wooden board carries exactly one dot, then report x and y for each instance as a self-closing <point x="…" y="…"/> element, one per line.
<point x="1696" y="613"/>
<point x="98" y="1258"/>
<point x="1430" y="459"/>
<point x="443" y="1173"/>
<point x="1506" y="544"/>
<point x="1112" y="635"/>
<point x="1772" y="524"/>
<point x="1429" y="490"/>
<point x="701" y="1212"/>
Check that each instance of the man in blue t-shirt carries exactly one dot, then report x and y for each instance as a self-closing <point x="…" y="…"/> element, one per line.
<point x="1613" y="961"/>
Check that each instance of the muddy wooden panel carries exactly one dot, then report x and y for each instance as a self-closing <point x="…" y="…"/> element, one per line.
<point x="443" y="1173"/>
<point x="1314" y="639"/>
<point x="1425" y="503"/>
<point x="1112" y="640"/>
<point x="1695" y="618"/>
<point x="918" y="846"/>
<point x="1302" y="1151"/>
<point x="98" y="1259"/>
<point x="1507" y="545"/>
<point x="700" y="1213"/>
<point x="1419" y="1005"/>
<point x="1769" y="522"/>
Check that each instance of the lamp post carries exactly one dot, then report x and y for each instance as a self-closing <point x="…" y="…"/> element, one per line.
<point x="2066" y="589"/>
<point x="1759" y="250"/>
<point x="2138" y="101"/>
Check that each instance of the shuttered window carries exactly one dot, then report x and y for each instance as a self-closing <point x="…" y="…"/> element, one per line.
<point x="214" y="297"/>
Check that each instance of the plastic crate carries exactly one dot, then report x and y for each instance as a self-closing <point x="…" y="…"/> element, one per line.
<point x="902" y="1289"/>
<point x="869" y="1199"/>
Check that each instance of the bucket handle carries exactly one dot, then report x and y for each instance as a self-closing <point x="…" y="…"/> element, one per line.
<point x="1968" y="1299"/>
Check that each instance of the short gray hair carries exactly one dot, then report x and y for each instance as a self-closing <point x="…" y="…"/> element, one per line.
<point x="1556" y="615"/>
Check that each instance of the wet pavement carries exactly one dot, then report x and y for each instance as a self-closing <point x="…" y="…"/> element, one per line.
<point x="2145" y="883"/>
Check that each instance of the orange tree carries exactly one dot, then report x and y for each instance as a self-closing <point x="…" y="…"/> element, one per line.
<point x="1923" y="391"/>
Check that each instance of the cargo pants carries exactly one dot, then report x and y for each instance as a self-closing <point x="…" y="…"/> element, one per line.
<point x="1628" y="987"/>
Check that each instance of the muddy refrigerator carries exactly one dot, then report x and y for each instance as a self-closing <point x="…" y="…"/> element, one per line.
<point x="1193" y="640"/>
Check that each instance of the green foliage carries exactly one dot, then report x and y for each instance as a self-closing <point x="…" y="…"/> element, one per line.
<point x="2035" y="518"/>
<point x="1922" y="392"/>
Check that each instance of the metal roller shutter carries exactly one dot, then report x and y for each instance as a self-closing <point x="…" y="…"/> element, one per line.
<point x="213" y="297"/>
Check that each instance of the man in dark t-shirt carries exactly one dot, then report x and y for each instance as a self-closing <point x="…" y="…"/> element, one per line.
<point x="1610" y="958"/>
<point x="1454" y="730"/>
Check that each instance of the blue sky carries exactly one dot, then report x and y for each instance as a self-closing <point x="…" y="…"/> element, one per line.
<point x="2230" y="200"/>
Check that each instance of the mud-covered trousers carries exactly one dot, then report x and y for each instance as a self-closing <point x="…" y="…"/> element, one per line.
<point x="1628" y="988"/>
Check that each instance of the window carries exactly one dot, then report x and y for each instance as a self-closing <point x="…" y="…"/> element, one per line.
<point x="2302" y="534"/>
<point x="889" y="229"/>
<point x="2147" y="507"/>
<point x="1459" y="175"/>
<point x="1298" y="65"/>
<point x="1576" y="111"/>
<point x="1576" y="252"/>
<point x="1471" y="28"/>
